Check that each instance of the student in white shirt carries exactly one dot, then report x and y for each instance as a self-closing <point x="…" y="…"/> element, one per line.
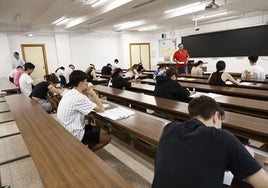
<point x="75" y="105"/>
<point x="197" y="69"/>
<point x="253" y="71"/>
<point x="67" y="73"/>
<point x="25" y="81"/>
<point x="115" y="64"/>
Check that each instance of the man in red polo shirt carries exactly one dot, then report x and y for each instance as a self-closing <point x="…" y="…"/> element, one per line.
<point x="181" y="58"/>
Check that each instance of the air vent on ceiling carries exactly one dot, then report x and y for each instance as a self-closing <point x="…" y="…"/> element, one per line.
<point x="143" y="4"/>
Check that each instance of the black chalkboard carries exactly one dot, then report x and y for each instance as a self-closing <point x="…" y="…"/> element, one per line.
<point x="238" y="42"/>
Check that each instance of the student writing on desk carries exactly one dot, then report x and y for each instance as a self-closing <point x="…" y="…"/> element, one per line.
<point x="220" y="77"/>
<point x="197" y="152"/>
<point x="75" y="105"/>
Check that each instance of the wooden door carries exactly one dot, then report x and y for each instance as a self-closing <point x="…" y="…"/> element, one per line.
<point x="140" y="52"/>
<point x="36" y="54"/>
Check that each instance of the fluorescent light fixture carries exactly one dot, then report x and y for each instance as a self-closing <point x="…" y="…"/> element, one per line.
<point x="30" y="35"/>
<point x="191" y="8"/>
<point x="210" y="16"/>
<point x="127" y="25"/>
<point x="98" y="3"/>
<point x="61" y="20"/>
<point x="91" y="2"/>
<point x="183" y="7"/>
<point x="117" y="3"/>
<point x="76" y="22"/>
<point x="148" y="28"/>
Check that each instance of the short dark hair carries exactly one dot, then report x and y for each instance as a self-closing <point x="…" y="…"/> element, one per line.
<point x="19" y="67"/>
<point x="205" y="107"/>
<point x="28" y="66"/>
<point x="171" y="72"/>
<point x="109" y="64"/>
<point x="220" y="65"/>
<point x="52" y="78"/>
<point x="116" y="60"/>
<point x="253" y="58"/>
<point x="180" y="44"/>
<point x="116" y="72"/>
<point x="76" y="77"/>
<point x="16" y="53"/>
<point x="198" y="63"/>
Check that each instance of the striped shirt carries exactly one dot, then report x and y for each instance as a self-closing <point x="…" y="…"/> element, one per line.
<point x="72" y="110"/>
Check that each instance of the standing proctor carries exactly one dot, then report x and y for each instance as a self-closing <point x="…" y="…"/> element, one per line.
<point x="181" y="58"/>
<point x="18" y="61"/>
<point x="196" y="153"/>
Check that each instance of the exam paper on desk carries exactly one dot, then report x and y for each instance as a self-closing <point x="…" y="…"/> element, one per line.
<point x="117" y="113"/>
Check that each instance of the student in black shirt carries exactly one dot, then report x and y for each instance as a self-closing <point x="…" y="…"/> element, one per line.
<point x="118" y="81"/>
<point x="107" y="69"/>
<point x="168" y="87"/>
<point x="197" y="152"/>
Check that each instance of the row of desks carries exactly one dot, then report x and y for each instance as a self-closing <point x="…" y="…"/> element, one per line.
<point x="61" y="160"/>
<point x="225" y="90"/>
<point x="236" y="104"/>
<point x="242" y="125"/>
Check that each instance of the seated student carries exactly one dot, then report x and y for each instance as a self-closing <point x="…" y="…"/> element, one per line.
<point x="13" y="72"/>
<point x="91" y="73"/>
<point x="160" y="71"/>
<point x="107" y="69"/>
<point x="40" y="93"/>
<point x="75" y="105"/>
<point x="168" y="87"/>
<point x="132" y="72"/>
<point x="253" y="71"/>
<point x="118" y="81"/>
<point x="60" y="74"/>
<point x="17" y="77"/>
<point x="115" y="64"/>
<point x="219" y="77"/>
<point x="197" y="152"/>
<point x="25" y="81"/>
<point x="67" y="73"/>
<point x="197" y="69"/>
<point x="140" y="67"/>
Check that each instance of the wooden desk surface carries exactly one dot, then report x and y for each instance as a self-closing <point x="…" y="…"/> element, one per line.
<point x="6" y="85"/>
<point x="237" y="104"/>
<point x="244" y="84"/>
<point x="61" y="159"/>
<point x="231" y="91"/>
<point x="244" y="125"/>
<point x="141" y="125"/>
<point x="233" y="74"/>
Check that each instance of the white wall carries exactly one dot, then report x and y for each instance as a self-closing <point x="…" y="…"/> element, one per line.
<point x="102" y="48"/>
<point x="97" y="49"/>
<point x="5" y="60"/>
<point x="15" y="41"/>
